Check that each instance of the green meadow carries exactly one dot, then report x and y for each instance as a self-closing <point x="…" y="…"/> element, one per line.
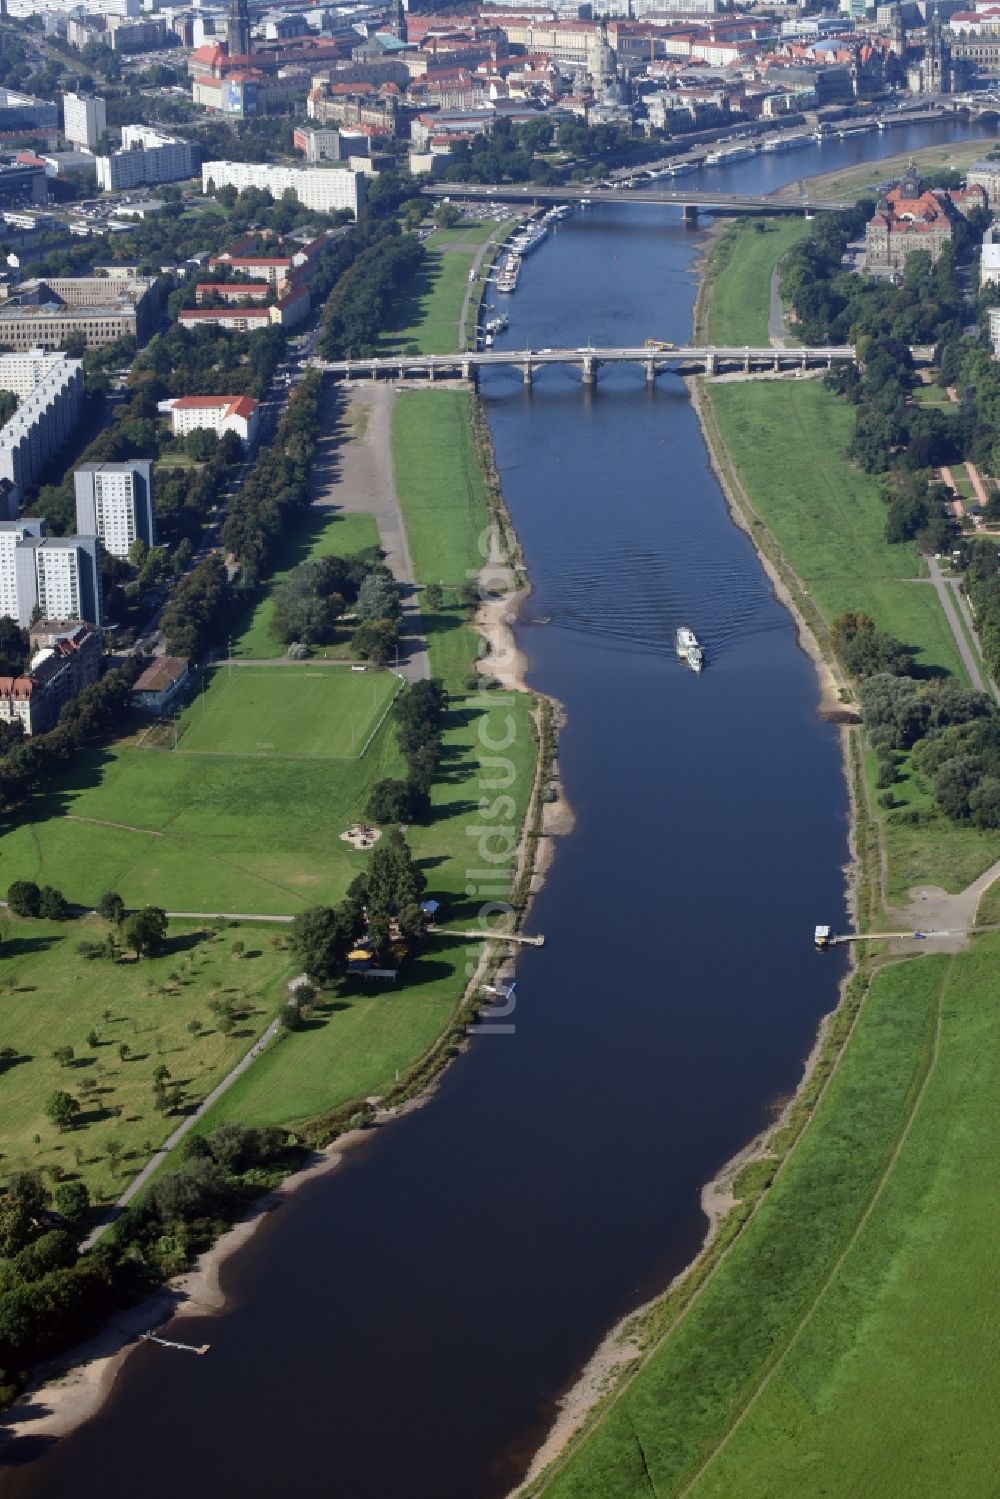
<point x="740" y="306"/>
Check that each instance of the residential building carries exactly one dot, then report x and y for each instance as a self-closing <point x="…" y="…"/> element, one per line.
<point x="324" y="189"/>
<point x="233" y="319"/>
<point x="125" y="35"/>
<point x="85" y="120"/>
<point x="50" y="391"/>
<point x="60" y="575"/>
<point x="219" y="414"/>
<point x="989" y="264"/>
<point x="147" y="156"/>
<point x="43" y="314"/>
<point x="59" y="670"/>
<point x="985" y="174"/>
<point x="115" y="502"/>
<point x="317" y="144"/>
<point x="232" y="292"/>
<point x="276" y="270"/>
<point x="160" y="683"/>
<point x="995" y="330"/>
<point x="24" y="112"/>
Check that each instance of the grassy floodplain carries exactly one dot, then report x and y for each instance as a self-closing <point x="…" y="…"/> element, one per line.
<point x="741" y="299"/>
<point x="50" y="997"/>
<point x="839" y="1349"/>
<point x="428" y="316"/>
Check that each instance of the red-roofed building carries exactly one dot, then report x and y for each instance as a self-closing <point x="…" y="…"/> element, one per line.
<point x="219" y="414"/>
<point x="232" y="291"/>
<point x="908" y="218"/>
<point x="59" y="670"/>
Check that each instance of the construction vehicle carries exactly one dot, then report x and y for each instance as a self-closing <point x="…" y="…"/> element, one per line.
<point x="661" y="344"/>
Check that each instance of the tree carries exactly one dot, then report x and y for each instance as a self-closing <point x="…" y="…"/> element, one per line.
<point x="146" y="931"/>
<point x="63" y="1055"/>
<point x="52" y="904"/>
<point x="123" y="1051"/>
<point x="433" y="597"/>
<point x="62" y="1110"/>
<point x="73" y="1203"/>
<point x="378" y="598"/>
<point x="321" y="939"/>
<point x="23" y="898"/>
<point x="389" y="801"/>
<point x="93" y="1040"/>
<point x="111" y="907"/>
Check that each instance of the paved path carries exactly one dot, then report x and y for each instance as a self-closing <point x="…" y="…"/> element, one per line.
<point x="932" y="910"/>
<point x="777" y="329"/>
<point x="353" y="474"/>
<point x="947" y="591"/>
<point x="156" y="1161"/>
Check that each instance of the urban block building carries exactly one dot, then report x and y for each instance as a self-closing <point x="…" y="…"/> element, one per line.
<point x="219" y="414"/>
<point x="50" y="391"/>
<point x="59" y="670"/>
<point x="43" y="314"/>
<point x="115" y="502"/>
<point x="85" y="120"/>
<point x="59" y="575"/>
<point x="147" y="156"/>
<point x="324" y="189"/>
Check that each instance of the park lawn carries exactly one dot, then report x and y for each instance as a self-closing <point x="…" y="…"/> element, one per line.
<point x="787" y="441"/>
<point x="892" y="1389"/>
<point x="307" y="712"/>
<point x="428" y="316"/>
<point x="51" y="997"/>
<point x="321" y="533"/>
<point x="352" y="1047"/>
<point x="699" y="1379"/>
<point x="740" y="305"/>
<point x="440" y="485"/>
<point x="472" y="233"/>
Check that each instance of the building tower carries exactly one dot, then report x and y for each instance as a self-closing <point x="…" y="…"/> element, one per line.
<point x="238" y="29"/>
<point x="397" y="25"/>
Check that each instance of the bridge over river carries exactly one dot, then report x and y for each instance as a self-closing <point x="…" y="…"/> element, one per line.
<point x="688" y="199"/>
<point x="686" y="359"/>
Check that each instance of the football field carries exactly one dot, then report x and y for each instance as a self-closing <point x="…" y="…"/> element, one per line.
<point x="286" y="712"/>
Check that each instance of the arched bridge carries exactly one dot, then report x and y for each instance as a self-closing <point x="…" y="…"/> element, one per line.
<point x="685" y="360"/>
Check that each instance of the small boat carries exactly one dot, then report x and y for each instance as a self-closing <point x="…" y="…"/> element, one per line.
<point x="688" y="648"/>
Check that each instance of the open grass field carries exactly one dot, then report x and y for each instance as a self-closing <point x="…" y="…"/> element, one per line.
<point x="933" y="851"/>
<point x="288" y="712"/>
<point x="840" y="1348"/>
<point x="741" y="296"/>
<point x="50" y="996"/>
<point x="787" y="441"/>
<point x="440" y="485"/>
<point x="428" y="316"/>
<point x="321" y="533"/>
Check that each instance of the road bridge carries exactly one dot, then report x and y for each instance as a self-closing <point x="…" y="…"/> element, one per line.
<point x="691" y="359"/>
<point x="687" y="199"/>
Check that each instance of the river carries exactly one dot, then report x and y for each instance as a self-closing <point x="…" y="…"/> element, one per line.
<point x="405" y="1326"/>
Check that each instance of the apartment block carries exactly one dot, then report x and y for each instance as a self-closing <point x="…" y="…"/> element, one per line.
<point x="50" y="391"/>
<point x="324" y="189"/>
<point x="219" y="414"/>
<point x="68" y="662"/>
<point x="147" y="156"/>
<point x="60" y="575"/>
<point x="115" y="502"/>
<point x="85" y="120"/>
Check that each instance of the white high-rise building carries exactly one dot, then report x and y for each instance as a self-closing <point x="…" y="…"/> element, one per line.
<point x="67" y="578"/>
<point x="85" y="120"/>
<point x="115" y="502"/>
<point x="147" y="156"/>
<point x="323" y="189"/>
<point x="11" y="533"/>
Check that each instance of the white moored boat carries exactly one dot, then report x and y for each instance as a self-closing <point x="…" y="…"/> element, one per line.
<point x="688" y="648"/>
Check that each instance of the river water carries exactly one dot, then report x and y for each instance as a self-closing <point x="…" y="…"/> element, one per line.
<point x="405" y="1326"/>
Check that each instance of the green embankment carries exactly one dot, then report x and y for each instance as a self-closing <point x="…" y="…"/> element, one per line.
<point x="839" y="1348"/>
<point x="428" y="317"/>
<point x="741" y="297"/>
<point x="52" y="997"/>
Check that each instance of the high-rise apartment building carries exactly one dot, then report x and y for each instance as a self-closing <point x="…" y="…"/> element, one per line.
<point x="60" y="575"/>
<point x="115" y="502"/>
<point x="147" y="156"/>
<point x="85" y="120"/>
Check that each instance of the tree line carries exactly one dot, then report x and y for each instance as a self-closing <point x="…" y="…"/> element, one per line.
<point x="418" y="716"/>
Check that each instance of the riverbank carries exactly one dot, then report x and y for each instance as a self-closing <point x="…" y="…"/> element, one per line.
<point x="717" y="1368"/>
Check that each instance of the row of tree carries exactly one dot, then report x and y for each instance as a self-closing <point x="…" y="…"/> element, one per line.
<point x="199" y="609"/>
<point x="419" y="720"/>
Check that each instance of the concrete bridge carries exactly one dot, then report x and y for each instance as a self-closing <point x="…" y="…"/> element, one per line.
<point x="707" y="359"/>
<point x="684" y="198"/>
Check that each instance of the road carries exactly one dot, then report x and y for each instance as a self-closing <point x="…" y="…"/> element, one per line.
<point x="777" y="330"/>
